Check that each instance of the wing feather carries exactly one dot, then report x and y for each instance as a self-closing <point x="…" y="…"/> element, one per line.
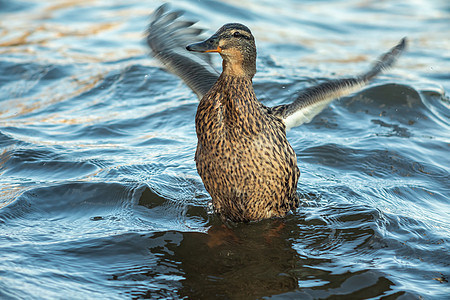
<point x="167" y="37"/>
<point x="311" y="101"/>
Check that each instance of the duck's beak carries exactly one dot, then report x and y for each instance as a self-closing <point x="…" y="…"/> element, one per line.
<point x="209" y="45"/>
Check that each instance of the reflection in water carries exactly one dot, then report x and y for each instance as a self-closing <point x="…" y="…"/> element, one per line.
<point x="250" y="261"/>
<point x="319" y="254"/>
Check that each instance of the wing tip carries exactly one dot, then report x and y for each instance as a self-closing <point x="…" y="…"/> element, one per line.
<point x="386" y="61"/>
<point x="166" y="36"/>
<point x="403" y="42"/>
<point x="166" y="30"/>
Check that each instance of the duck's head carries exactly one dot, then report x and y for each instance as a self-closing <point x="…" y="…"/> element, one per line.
<point x="236" y="44"/>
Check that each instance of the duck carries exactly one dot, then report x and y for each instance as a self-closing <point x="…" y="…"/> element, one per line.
<point x="243" y="156"/>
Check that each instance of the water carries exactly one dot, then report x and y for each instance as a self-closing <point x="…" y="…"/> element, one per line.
<point x="99" y="196"/>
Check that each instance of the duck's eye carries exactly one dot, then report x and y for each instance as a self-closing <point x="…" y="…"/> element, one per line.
<point x="237" y="34"/>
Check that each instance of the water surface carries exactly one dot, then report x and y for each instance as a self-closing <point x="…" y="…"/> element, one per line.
<point x="99" y="196"/>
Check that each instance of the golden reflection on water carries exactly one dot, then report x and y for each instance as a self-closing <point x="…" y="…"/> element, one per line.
<point x="38" y="27"/>
<point x="22" y="32"/>
<point x="53" y="32"/>
<point x="18" y="107"/>
<point x="64" y="4"/>
<point x="9" y="192"/>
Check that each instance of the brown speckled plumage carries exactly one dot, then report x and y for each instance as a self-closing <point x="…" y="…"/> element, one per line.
<point x="243" y="157"/>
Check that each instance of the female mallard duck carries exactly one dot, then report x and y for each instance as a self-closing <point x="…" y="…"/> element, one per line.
<point x="243" y="157"/>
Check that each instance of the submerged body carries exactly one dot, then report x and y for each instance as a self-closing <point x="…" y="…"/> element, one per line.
<point x="243" y="157"/>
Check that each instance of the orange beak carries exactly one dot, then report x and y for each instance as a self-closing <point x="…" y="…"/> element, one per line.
<point x="214" y="50"/>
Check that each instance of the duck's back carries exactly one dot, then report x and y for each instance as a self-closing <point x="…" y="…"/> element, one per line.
<point x="243" y="156"/>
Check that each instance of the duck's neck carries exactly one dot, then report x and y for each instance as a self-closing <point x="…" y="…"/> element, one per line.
<point x="239" y="65"/>
<point x="234" y="91"/>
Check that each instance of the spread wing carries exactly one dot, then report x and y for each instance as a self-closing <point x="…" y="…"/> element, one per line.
<point x="167" y="37"/>
<point x="311" y="101"/>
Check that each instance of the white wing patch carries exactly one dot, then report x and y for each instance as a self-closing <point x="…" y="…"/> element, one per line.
<point x="306" y="114"/>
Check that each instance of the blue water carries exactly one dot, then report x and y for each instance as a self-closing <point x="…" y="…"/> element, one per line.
<point x="99" y="196"/>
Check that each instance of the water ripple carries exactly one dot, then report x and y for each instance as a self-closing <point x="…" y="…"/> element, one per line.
<point x="99" y="196"/>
